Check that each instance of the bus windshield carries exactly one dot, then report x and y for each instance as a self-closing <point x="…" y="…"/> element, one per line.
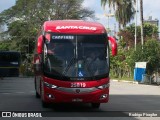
<point x="76" y="57"/>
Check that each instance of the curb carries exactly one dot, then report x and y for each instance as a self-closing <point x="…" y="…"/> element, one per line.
<point x="125" y="81"/>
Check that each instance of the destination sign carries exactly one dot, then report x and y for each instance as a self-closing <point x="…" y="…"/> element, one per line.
<point x="63" y="37"/>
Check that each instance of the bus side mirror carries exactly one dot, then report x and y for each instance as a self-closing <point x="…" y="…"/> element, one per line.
<point x="113" y="45"/>
<point x="37" y="67"/>
<point x="48" y="37"/>
<point x="40" y="44"/>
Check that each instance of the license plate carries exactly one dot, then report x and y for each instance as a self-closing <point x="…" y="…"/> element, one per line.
<point x="77" y="100"/>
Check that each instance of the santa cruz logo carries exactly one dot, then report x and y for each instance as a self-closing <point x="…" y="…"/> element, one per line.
<point x="75" y="27"/>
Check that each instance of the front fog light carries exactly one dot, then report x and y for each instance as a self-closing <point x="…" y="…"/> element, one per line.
<point x="50" y="96"/>
<point x="103" y="96"/>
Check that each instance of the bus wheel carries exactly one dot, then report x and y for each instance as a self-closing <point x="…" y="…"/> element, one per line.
<point x="95" y="105"/>
<point x="37" y="95"/>
<point x="45" y="104"/>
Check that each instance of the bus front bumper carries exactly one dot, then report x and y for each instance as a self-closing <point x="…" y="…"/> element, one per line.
<point x="75" y="95"/>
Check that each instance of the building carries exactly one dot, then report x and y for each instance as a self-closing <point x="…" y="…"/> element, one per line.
<point x="151" y="21"/>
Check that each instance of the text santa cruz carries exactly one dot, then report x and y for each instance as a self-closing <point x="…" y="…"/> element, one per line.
<point x="75" y="27"/>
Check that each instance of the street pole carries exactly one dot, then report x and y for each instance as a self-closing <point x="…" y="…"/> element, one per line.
<point x="109" y="15"/>
<point x="136" y="8"/>
<point x="141" y="11"/>
<point x="108" y="22"/>
<point x="28" y="45"/>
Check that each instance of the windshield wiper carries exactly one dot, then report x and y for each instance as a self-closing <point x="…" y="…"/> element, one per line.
<point x="72" y="61"/>
<point x="88" y="66"/>
<point x="57" y="75"/>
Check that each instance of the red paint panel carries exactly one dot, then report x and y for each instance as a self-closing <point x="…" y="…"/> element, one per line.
<point x="74" y="27"/>
<point x="113" y="45"/>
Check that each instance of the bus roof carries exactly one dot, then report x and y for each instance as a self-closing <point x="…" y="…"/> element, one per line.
<point x="73" y="27"/>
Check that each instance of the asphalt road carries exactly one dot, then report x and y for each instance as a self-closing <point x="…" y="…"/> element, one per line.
<point x="17" y="94"/>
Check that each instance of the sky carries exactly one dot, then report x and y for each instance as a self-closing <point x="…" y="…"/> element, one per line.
<point x="151" y="8"/>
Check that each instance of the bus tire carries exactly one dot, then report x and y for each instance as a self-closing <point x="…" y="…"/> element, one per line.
<point x="37" y="95"/>
<point x="95" y="105"/>
<point x="45" y="104"/>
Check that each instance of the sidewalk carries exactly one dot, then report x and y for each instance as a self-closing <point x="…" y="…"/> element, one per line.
<point x="134" y="82"/>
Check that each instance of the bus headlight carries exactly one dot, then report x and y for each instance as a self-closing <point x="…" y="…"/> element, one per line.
<point x="50" y="85"/>
<point x="104" y="86"/>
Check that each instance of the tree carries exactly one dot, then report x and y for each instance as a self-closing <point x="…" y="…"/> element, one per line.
<point x="38" y="11"/>
<point x="149" y="54"/>
<point x="124" y="10"/>
<point x="1" y="28"/>
<point x="71" y="9"/>
<point x="127" y="34"/>
<point x="4" y="45"/>
<point x="25" y="18"/>
<point x="118" y="65"/>
<point x="123" y="64"/>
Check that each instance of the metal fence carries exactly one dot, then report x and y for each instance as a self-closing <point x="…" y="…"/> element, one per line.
<point x="146" y="79"/>
<point x="151" y="79"/>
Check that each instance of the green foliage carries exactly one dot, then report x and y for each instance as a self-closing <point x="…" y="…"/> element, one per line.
<point x="25" y="18"/>
<point x="4" y="46"/>
<point x="128" y="34"/>
<point x="35" y="12"/>
<point x="149" y="54"/>
<point x="124" y="63"/>
<point x="22" y="35"/>
<point x="150" y="31"/>
<point x="119" y="66"/>
<point x="124" y="10"/>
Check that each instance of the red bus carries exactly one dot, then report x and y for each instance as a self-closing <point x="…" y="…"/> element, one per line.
<point x="71" y="62"/>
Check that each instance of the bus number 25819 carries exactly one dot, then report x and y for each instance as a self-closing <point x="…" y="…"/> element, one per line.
<point x="78" y="85"/>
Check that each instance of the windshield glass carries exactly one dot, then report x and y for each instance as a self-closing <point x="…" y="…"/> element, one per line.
<point x="76" y="57"/>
